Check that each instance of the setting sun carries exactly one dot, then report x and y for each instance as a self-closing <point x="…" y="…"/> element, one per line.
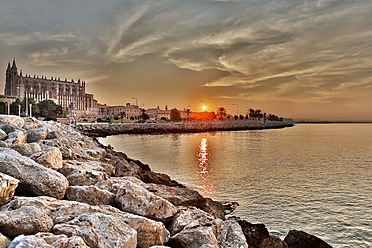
<point x="204" y="107"/>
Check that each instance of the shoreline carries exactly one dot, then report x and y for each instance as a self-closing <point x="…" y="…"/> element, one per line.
<point x="61" y="185"/>
<point x="107" y="129"/>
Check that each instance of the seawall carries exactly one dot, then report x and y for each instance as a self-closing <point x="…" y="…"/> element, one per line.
<point x="105" y="129"/>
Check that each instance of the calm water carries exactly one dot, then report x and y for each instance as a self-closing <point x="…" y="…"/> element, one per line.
<point x="312" y="177"/>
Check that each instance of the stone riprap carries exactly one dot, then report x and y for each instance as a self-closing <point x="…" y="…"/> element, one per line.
<point x="60" y="188"/>
<point x="105" y="129"/>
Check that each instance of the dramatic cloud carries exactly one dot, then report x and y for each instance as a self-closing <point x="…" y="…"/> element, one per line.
<point x="263" y="54"/>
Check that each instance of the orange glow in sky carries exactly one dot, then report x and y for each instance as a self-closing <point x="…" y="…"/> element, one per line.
<point x="204" y="107"/>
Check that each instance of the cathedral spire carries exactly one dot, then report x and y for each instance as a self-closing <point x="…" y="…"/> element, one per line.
<point x="14" y="66"/>
<point x="8" y="66"/>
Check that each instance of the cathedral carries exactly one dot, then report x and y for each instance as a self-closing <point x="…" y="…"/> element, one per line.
<point x="69" y="94"/>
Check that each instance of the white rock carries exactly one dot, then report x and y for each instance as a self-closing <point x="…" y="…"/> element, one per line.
<point x="16" y="137"/>
<point x="90" y="195"/>
<point x="8" y="185"/>
<point x="34" y="135"/>
<point x="99" y="230"/>
<point x="28" y="242"/>
<point x="62" y="241"/>
<point x="24" y="220"/>
<point x="13" y="120"/>
<point x="26" y="149"/>
<point x="51" y="158"/>
<point x="34" y="178"/>
<point x="3" y="134"/>
<point x="135" y="199"/>
<point x="231" y="235"/>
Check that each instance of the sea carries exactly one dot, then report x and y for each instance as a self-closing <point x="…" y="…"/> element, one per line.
<point x="311" y="177"/>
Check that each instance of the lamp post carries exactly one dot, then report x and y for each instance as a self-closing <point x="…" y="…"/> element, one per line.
<point x="26" y="112"/>
<point x="136" y="100"/>
<point x="237" y="109"/>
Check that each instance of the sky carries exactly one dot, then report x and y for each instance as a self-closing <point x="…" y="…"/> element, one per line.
<point x="301" y="59"/>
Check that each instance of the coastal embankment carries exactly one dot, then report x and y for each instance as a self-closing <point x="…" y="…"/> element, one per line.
<point x="61" y="188"/>
<point x="106" y="129"/>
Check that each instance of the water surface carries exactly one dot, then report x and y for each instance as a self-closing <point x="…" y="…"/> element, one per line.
<point x="312" y="177"/>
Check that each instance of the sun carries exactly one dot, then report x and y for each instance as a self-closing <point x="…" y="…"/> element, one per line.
<point x="204" y="107"/>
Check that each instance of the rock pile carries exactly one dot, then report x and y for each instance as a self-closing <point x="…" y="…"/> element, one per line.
<point x="105" y="129"/>
<point x="59" y="188"/>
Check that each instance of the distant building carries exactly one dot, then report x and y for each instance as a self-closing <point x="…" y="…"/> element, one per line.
<point x="156" y="114"/>
<point x="132" y="112"/>
<point x="68" y="94"/>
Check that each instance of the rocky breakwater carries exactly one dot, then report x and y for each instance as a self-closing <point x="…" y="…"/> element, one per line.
<point x="59" y="188"/>
<point x="105" y="129"/>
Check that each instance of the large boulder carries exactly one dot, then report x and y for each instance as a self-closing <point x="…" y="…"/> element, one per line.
<point x="13" y="120"/>
<point x="23" y="241"/>
<point x="190" y="217"/>
<point x="3" y="144"/>
<point x="26" y="149"/>
<point x="34" y="135"/>
<point x="273" y="242"/>
<point x="300" y="239"/>
<point x="8" y="185"/>
<point x="149" y="232"/>
<point x="62" y="241"/>
<point x="25" y="220"/>
<point x="195" y="237"/>
<point x="155" y="177"/>
<point x="135" y="199"/>
<point x="16" y="137"/>
<point x="230" y="234"/>
<point x="176" y="195"/>
<point x="34" y="178"/>
<point x="83" y="173"/>
<point x="124" y="168"/>
<point x="99" y="230"/>
<point x="51" y="158"/>
<point x="89" y="194"/>
<point x="254" y="233"/>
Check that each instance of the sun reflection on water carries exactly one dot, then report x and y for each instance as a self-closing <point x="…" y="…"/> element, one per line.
<point x="204" y="173"/>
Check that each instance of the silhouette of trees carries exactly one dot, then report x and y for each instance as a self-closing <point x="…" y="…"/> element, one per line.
<point x="221" y="113"/>
<point x="175" y="115"/>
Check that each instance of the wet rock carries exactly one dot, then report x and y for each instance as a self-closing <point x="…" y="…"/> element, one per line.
<point x="254" y="233"/>
<point x="4" y="241"/>
<point x="34" y="135"/>
<point x="190" y="217"/>
<point x="154" y="177"/>
<point x="62" y="241"/>
<point x="123" y="168"/>
<point x="25" y="220"/>
<point x="3" y="134"/>
<point x="230" y="234"/>
<point x="28" y="242"/>
<point x="99" y="230"/>
<point x="50" y="158"/>
<point x="90" y="195"/>
<point x="273" y="242"/>
<point x="34" y="178"/>
<point x="214" y="208"/>
<point x="135" y="199"/>
<point x="8" y="185"/>
<point x="175" y="195"/>
<point x="13" y="120"/>
<point x="16" y="137"/>
<point x="26" y="149"/>
<point x="195" y="237"/>
<point x="297" y="239"/>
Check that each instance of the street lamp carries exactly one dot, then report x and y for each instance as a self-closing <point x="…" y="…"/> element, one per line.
<point x="237" y="109"/>
<point x="26" y="112"/>
<point x="136" y="100"/>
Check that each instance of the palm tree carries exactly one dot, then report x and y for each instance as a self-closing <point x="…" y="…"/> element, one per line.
<point x="122" y="115"/>
<point x="221" y="113"/>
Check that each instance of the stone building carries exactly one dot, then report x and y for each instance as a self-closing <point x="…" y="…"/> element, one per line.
<point x="69" y="94"/>
<point x="132" y="112"/>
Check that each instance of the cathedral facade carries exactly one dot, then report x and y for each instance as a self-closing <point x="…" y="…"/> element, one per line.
<point x="69" y="94"/>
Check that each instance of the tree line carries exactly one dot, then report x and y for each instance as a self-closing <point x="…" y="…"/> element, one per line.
<point x="46" y="108"/>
